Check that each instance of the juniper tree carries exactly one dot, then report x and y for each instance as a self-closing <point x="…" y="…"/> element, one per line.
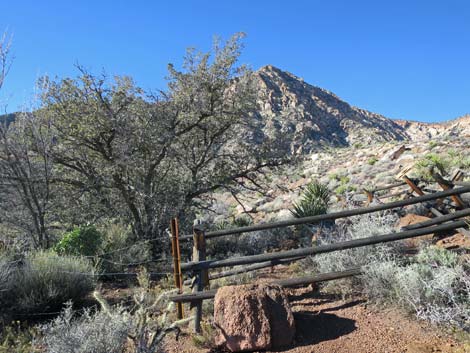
<point x="150" y="156"/>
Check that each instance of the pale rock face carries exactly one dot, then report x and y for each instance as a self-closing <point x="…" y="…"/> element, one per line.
<point x="284" y="215"/>
<point x="310" y="117"/>
<point x="424" y="131"/>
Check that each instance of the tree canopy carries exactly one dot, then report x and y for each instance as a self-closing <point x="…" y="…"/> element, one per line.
<point x="116" y="151"/>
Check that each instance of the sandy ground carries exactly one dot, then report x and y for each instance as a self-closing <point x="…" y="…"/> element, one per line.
<point x="326" y="324"/>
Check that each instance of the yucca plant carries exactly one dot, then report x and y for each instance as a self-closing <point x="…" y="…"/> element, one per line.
<point x="315" y="200"/>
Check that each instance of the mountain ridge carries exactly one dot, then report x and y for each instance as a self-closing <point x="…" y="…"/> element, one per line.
<point x="311" y="117"/>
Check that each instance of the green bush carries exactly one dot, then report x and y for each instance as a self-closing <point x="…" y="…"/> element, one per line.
<point x="315" y="200"/>
<point x="372" y="160"/>
<point x="442" y="162"/>
<point x="358" y="145"/>
<point x="43" y="282"/>
<point x="333" y="176"/>
<point x="432" y="160"/>
<point x="459" y="160"/>
<point x="18" y="339"/>
<point x="344" y="188"/>
<point x="85" y="240"/>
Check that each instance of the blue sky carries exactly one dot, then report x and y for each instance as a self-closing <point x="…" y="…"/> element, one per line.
<point x="404" y="59"/>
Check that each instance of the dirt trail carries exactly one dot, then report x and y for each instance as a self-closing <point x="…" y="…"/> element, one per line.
<point x="326" y="324"/>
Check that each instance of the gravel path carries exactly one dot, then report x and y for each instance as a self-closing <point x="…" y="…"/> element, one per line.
<point x="328" y="325"/>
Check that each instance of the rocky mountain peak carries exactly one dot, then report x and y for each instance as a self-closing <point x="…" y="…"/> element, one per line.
<point x="310" y="117"/>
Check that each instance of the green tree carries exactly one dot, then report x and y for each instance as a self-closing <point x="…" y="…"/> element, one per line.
<point x="85" y="240"/>
<point x="147" y="157"/>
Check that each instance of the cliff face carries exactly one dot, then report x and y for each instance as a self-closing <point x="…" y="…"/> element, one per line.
<point x="310" y="117"/>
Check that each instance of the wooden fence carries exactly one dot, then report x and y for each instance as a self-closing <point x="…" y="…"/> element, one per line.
<point x="200" y="267"/>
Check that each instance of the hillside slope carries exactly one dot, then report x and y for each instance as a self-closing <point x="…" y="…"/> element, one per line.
<point x="310" y="117"/>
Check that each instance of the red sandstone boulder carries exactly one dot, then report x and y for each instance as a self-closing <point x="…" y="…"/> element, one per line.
<point x="253" y="317"/>
<point x="410" y="219"/>
<point x="458" y="240"/>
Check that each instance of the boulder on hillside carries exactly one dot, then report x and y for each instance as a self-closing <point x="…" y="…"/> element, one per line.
<point x="458" y="240"/>
<point x="253" y="317"/>
<point x="410" y="219"/>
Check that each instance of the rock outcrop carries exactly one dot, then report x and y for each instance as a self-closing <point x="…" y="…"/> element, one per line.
<point x="309" y="117"/>
<point x="253" y="317"/>
<point x="422" y="131"/>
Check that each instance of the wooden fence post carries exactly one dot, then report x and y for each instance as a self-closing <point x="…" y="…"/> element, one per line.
<point x="420" y="192"/>
<point x="445" y="185"/>
<point x="413" y="186"/>
<point x="370" y="196"/>
<point x="202" y="278"/>
<point x="176" y="253"/>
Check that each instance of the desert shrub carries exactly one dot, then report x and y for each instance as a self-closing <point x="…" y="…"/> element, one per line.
<point x="437" y="257"/>
<point x="333" y="176"/>
<point x="372" y="160"/>
<point x="459" y="159"/>
<point x="435" y="285"/>
<point x="139" y="329"/>
<point x="345" y="188"/>
<point x="358" y="145"/>
<point x="119" y="248"/>
<point x="315" y="200"/>
<point x="442" y="162"/>
<point x="85" y="240"/>
<point x="43" y="282"/>
<point x="99" y="332"/>
<point x="242" y="221"/>
<point x="429" y="161"/>
<point x="206" y="339"/>
<point x="251" y="243"/>
<point x="18" y="339"/>
<point x="354" y="228"/>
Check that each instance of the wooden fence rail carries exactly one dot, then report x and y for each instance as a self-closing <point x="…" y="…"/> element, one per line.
<point x="350" y="244"/>
<point x="250" y="268"/>
<point x="291" y="282"/>
<point x="200" y="266"/>
<point x="440" y="219"/>
<point x="335" y="215"/>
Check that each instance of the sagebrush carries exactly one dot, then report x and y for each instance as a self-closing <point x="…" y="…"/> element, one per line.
<point x="42" y="282"/>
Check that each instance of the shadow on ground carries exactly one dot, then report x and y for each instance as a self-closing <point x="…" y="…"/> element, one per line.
<point x="315" y="327"/>
<point x="318" y="326"/>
